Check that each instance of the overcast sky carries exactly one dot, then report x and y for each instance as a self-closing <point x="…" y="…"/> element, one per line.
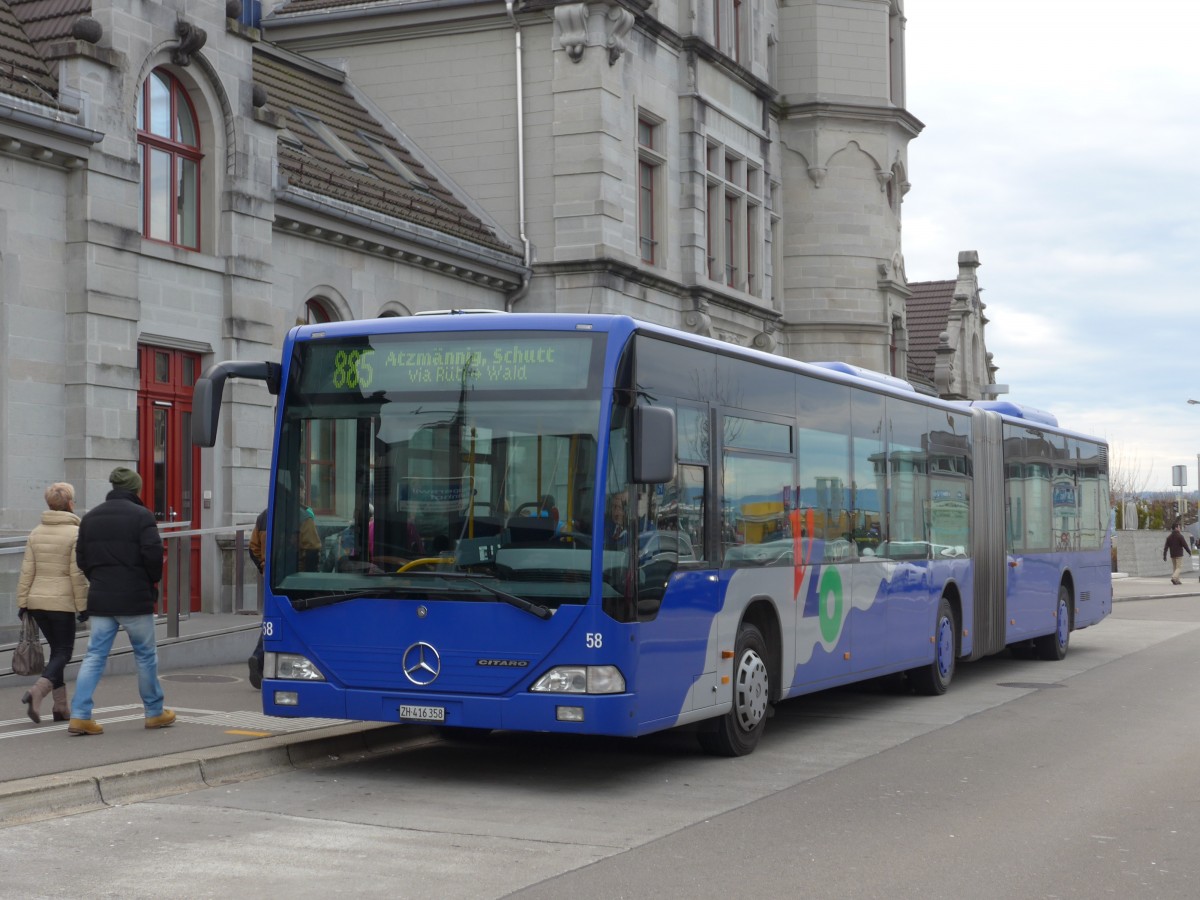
<point x="1062" y="142"/>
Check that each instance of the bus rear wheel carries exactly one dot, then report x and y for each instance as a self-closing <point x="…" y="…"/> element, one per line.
<point x="738" y="731"/>
<point x="935" y="678"/>
<point x="1053" y="646"/>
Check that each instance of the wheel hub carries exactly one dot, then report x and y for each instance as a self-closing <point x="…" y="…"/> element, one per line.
<point x="750" y="695"/>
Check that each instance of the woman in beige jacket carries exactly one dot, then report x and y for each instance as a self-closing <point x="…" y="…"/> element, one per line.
<point x="53" y="590"/>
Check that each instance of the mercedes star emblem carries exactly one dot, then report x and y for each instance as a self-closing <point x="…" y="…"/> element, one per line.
<point x="422" y="664"/>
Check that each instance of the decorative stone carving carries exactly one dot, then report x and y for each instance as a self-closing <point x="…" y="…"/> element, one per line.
<point x="259" y="96"/>
<point x="765" y="341"/>
<point x="572" y="28"/>
<point x="943" y="366"/>
<point x="618" y="22"/>
<point x="698" y="322"/>
<point x="233" y="8"/>
<point x="87" y="29"/>
<point x="817" y="174"/>
<point x="191" y="39"/>
<point x="883" y="178"/>
<point x="572" y="19"/>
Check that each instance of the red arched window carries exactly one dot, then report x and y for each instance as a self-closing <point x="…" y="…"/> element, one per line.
<point x="169" y="156"/>
<point x="316" y="312"/>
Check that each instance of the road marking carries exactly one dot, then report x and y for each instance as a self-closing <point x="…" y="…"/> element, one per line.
<point x="236" y="722"/>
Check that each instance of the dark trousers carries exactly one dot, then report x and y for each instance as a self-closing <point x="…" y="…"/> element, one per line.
<point x="58" y="628"/>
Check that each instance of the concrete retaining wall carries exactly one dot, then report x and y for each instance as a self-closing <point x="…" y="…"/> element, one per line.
<point x="1140" y="553"/>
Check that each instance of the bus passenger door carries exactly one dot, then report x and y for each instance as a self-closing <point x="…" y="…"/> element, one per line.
<point x="1032" y="595"/>
<point x="679" y="601"/>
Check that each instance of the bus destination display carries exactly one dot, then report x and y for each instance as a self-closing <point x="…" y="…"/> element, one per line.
<point x="480" y="362"/>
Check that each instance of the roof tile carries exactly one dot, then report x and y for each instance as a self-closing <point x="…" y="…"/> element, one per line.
<point x="927" y="313"/>
<point x="23" y="71"/>
<point x="297" y="91"/>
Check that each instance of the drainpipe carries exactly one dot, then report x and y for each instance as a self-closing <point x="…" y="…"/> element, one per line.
<point x="527" y="256"/>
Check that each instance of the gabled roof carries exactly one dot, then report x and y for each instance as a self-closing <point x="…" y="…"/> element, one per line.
<point x="927" y="315"/>
<point x="49" y="21"/>
<point x="335" y="148"/>
<point x="26" y="27"/>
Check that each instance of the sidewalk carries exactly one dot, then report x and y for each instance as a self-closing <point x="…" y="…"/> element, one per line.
<point x="1154" y="587"/>
<point x="221" y="735"/>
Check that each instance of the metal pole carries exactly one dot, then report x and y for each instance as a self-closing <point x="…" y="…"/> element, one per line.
<point x="239" y="570"/>
<point x="173" y="588"/>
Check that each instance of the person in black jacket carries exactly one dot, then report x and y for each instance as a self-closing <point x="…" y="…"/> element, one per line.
<point x="1177" y="546"/>
<point x="258" y="553"/>
<point x="120" y="551"/>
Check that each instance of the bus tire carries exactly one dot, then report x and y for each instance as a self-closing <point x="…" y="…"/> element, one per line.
<point x="738" y="731"/>
<point x="1054" y="646"/>
<point x="933" y="679"/>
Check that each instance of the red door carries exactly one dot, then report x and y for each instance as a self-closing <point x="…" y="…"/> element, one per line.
<point x="170" y="462"/>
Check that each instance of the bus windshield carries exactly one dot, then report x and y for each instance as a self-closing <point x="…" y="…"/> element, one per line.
<point x="453" y="466"/>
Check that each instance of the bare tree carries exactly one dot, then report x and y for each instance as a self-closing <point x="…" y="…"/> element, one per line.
<point x="1128" y="477"/>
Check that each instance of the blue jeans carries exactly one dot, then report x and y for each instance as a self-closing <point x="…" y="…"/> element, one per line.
<point x="145" y="652"/>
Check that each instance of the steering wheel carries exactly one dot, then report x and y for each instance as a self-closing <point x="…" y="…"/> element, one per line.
<point x="576" y="538"/>
<point x="533" y="505"/>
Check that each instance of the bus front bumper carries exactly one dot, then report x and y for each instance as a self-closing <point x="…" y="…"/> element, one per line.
<point x="609" y="714"/>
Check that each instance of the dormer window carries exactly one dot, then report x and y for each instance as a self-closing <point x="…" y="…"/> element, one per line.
<point x="333" y="142"/>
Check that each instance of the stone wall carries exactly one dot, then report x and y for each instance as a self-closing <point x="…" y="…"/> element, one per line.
<point x="1140" y="553"/>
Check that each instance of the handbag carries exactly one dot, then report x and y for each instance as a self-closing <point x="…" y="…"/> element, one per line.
<point x="28" y="658"/>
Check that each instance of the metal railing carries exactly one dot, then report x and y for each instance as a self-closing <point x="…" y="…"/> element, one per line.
<point x="177" y="581"/>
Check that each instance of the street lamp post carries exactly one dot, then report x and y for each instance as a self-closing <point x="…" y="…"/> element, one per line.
<point x="1192" y="402"/>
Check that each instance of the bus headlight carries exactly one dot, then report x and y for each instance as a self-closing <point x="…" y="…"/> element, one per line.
<point x="581" y="680"/>
<point x="290" y="666"/>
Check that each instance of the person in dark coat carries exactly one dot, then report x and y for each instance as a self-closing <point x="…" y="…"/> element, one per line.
<point x="120" y="551"/>
<point x="258" y="553"/>
<point x="1177" y="546"/>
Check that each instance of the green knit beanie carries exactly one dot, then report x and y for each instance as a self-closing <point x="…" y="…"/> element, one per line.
<point x="124" y="479"/>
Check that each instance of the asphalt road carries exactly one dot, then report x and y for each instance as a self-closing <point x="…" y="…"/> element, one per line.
<point x="1028" y="779"/>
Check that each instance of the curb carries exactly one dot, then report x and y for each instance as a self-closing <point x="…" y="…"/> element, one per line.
<point x="1156" y="597"/>
<point x="68" y="793"/>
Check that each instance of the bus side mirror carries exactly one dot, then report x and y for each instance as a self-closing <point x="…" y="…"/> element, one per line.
<point x="653" y="445"/>
<point x="205" y="412"/>
<point x="209" y="390"/>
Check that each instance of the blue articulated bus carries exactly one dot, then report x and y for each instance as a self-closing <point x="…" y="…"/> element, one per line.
<point x="591" y="524"/>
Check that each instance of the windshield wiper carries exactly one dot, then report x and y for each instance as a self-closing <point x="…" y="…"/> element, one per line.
<point x="302" y="603"/>
<point x="519" y="602"/>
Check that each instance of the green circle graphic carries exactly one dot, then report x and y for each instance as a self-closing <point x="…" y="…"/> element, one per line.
<point x="831" y="625"/>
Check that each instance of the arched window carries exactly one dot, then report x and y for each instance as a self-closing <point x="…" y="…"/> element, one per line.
<point x="169" y="156"/>
<point x="316" y="312"/>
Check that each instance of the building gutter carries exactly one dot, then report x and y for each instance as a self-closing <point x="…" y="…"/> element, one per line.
<point x="526" y="248"/>
<point x="51" y="124"/>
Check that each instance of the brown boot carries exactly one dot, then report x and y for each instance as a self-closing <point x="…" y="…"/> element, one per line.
<point x="34" y="696"/>
<point x="167" y="717"/>
<point x="84" y="726"/>
<point x="62" y="709"/>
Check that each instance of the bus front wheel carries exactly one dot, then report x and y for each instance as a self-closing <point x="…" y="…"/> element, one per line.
<point x="1053" y="646"/>
<point x="935" y="678"/>
<point x="738" y="731"/>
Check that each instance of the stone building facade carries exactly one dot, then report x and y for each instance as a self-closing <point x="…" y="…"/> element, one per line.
<point x="947" y="353"/>
<point x="180" y="183"/>
<point x="733" y="168"/>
